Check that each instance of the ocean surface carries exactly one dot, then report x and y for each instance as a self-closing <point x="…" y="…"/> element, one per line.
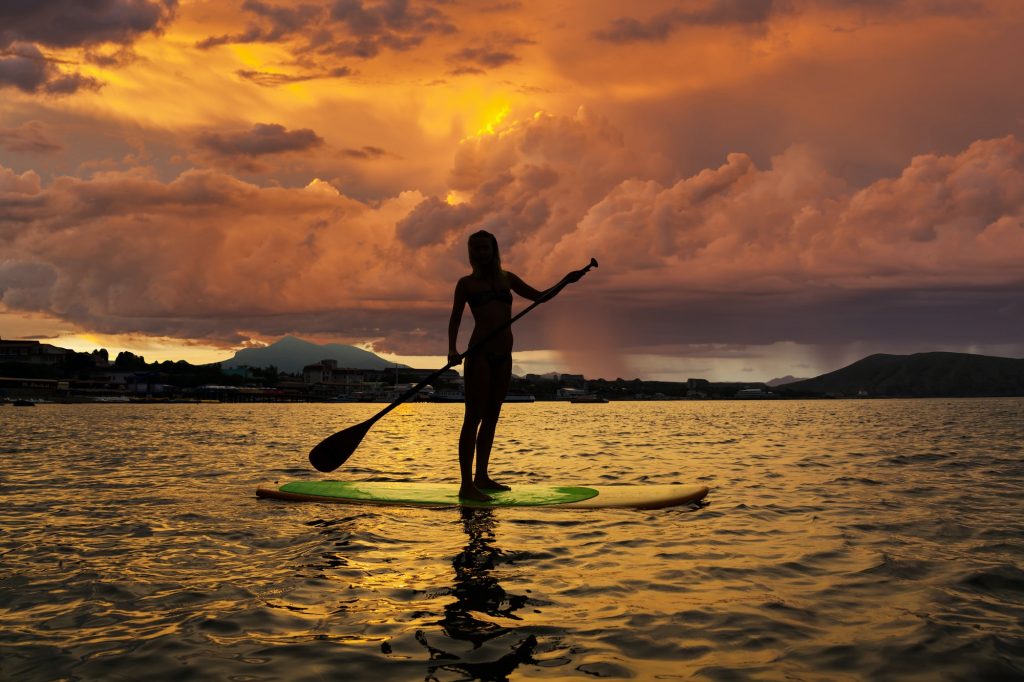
<point x="841" y="540"/>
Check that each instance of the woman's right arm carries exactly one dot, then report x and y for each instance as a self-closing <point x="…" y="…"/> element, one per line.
<point x="458" y="306"/>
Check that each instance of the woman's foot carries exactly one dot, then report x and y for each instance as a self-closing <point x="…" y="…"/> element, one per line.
<point x="469" y="491"/>
<point x="486" y="483"/>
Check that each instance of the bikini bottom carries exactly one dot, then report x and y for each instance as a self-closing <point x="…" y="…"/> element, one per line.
<point x="493" y="359"/>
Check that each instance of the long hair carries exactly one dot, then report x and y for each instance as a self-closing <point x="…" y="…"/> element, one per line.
<point x="491" y="272"/>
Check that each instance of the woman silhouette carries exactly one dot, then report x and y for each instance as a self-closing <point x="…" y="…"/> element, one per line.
<point x="488" y="291"/>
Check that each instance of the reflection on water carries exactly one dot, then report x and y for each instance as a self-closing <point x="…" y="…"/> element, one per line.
<point x="843" y="540"/>
<point x="477" y="591"/>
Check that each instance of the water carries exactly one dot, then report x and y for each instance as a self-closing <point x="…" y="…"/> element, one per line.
<point x="841" y="540"/>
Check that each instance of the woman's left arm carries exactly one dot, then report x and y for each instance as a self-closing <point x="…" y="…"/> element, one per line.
<point x="522" y="288"/>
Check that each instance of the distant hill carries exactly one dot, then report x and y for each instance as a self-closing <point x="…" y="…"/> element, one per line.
<point x="781" y="381"/>
<point x="919" y="375"/>
<point x="291" y="355"/>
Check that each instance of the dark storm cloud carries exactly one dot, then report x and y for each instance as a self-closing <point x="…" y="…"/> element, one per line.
<point x="723" y="13"/>
<point x="27" y="24"/>
<point x="285" y="19"/>
<point x="263" y="138"/>
<point x="737" y="253"/>
<point x="369" y="20"/>
<point x="885" y="317"/>
<point x="71" y="23"/>
<point x="365" y="153"/>
<point x="659" y="27"/>
<point x="25" y="67"/>
<point x="122" y="56"/>
<point x="270" y="80"/>
<point x="367" y="28"/>
<point x="480" y="59"/>
<point x="350" y="28"/>
<point x="906" y="7"/>
<point x="279" y="23"/>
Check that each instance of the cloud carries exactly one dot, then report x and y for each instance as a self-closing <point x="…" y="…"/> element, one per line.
<point x="25" y="285"/>
<point x="31" y="136"/>
<point x="12" y="184"/>
<point x="72" y="23"/>
<point x="946" y="221"/>
<point x="394" y="23"/>
<point x="203" y="256"/>
<point x="120" y="57"/>
<point x="532" y="182"/>
<point x="758" y="13"/>
<point x="260" y="140"/>
<point x="480" y="59"/>
<point x="496" y="51"/>
<point x="280" y="23"/>
<point x="269" y="79"/>
<point x="512" y="6"/>
<point x="365" y="153"/>
<point x="23" y="66"/>
<point x="659" y="27"/>
<point x="736" y="253"/>
<point x="904" y="8"/>
<point x="341" y="28"/>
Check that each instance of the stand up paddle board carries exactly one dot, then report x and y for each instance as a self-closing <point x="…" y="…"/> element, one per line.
<point x="446" y="495"/>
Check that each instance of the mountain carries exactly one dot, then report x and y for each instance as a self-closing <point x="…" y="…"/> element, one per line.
<point x="291" y="355"/>
<point x="919" y="375"/>
<point x="781" y="381"/>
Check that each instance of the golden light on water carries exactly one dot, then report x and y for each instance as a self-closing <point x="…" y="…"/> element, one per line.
<point x="827" y="529"/>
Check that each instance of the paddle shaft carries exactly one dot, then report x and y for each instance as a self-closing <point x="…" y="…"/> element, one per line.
<point x="547" y="296"/>
<point x="334" y="450"/>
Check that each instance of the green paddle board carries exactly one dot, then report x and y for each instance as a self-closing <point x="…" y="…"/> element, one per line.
<point x="446" y="495"/>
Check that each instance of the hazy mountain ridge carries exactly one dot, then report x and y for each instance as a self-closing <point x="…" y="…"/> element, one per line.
<point x="291" y="354"/>
<point x="935" y="374"/>
<point x="782" y="381"/>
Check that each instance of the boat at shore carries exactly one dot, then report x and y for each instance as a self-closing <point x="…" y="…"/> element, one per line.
<point x="457" y="396"/>
<point x="587" y="398"/>
<point x="448" y="395"/>
<point x="753" y="394"/>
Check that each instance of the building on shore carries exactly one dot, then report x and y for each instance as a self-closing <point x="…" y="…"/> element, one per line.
<point x="32" y="352"/>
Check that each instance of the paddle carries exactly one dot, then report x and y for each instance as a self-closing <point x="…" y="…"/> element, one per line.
<point x="332" y="452"/>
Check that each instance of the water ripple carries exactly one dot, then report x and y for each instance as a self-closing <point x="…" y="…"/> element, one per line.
<point x="842" y="540"/>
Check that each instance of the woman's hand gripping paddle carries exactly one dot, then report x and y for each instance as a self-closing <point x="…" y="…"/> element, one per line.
<point x="334" y="450"/>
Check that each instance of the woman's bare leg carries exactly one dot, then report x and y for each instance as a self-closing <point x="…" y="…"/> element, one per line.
<point x="467" y="442"/>
<point x="501" y="376"/>
<point x="476" y="380"/>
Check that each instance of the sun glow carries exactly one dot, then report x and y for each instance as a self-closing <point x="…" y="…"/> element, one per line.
<point x="455" y="197"/>
<point x="492" y="119"/>
<point x="322" y="187"/>
<point x="154" y="349"/>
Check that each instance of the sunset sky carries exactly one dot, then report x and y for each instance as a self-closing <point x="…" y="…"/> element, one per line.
<point x="771" y="187"/>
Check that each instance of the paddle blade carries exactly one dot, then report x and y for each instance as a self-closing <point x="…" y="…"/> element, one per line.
<point x="332" y="451"/>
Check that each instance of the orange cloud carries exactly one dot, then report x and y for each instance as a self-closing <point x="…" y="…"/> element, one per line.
<point x="31" y="136"/>
<point x="206" y="255"/>
<point x="808" y="170"/>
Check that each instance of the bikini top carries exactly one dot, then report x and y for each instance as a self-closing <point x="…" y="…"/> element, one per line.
<point x="479" y="298"/>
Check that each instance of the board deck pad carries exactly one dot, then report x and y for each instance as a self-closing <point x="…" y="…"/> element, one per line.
<point x="444" y="495"/>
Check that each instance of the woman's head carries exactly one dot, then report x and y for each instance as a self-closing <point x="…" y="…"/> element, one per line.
<point x="484" y="254"/>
